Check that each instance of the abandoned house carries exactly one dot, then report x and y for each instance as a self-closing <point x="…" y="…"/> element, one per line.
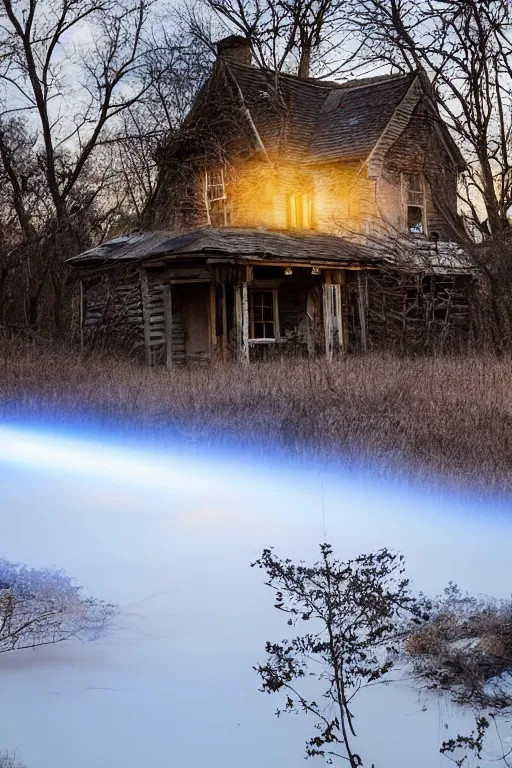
<point x="291" y="216"/>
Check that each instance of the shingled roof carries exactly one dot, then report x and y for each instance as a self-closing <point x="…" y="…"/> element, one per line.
<point x="227" y="245"/>
<point x="325" y="120"/>
<point x="312" y="120"/>
<point x="257" y="245"/>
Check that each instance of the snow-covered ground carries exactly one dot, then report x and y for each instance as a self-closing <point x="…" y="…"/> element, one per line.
<point x="170" y="538"/>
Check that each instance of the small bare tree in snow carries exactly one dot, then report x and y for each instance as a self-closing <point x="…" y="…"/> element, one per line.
<point x="354" y="611"/>
<point x="43" y="606"/>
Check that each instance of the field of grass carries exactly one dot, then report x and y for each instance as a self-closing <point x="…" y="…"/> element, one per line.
<point x="448" y="417"/>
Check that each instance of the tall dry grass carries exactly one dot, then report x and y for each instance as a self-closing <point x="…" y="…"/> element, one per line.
<point x="448" y="417"/>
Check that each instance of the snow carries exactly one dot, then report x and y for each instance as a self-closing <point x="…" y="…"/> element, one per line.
<point x="170" y="537"/>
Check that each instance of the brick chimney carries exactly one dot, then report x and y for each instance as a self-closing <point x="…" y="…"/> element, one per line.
<point x="235" y="48"/>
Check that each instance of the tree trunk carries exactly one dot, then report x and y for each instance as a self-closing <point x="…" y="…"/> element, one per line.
<point x="496" y="222"/>
<point x="305" y="60"/>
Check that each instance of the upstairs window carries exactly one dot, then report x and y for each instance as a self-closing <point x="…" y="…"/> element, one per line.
<point x="413" y="192"/>
<point x="216" y="199"/>
<point x="264" y="316"/>
<point x="299" y="211"/>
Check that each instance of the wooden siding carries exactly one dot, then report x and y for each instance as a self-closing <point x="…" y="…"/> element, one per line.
<point x="353" y="310"/>
<point x="112" y="311"/>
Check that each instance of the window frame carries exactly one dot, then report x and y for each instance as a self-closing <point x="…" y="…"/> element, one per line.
<point x="214" y="179"/>
<point x="276" y="338"/>
<point x="415" y="198"/>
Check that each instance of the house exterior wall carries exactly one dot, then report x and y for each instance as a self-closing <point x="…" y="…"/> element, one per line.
<point x="420" y="149"/>
<point x="345" y="200"/>
<point x="112" y="311"/>
<point x="259" y="193"/>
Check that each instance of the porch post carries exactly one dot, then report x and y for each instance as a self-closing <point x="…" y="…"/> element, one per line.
<point x="81" y="315"/>
<point x="144" y="293"/>
<point x="168" y="324"/>
<point x="224" y="313"/>
<point x="213" y="321"/>
<point x="339" y="280"/>
<point x="242" y="321"/>
<point x="362" y="302"/>
<point x="327" y="314"/>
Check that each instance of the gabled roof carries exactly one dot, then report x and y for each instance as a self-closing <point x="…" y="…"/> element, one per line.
<point x="319" y="120"/>
<point x="328" y="121"/>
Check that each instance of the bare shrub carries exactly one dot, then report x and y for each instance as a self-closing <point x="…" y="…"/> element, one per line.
<point x="10" y="760"/>
<point x="43" y="606"/>
<point x="491" y="306"/>
<point x="466" y="649"/>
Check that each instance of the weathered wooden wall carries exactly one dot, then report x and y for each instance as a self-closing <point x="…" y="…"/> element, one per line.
<point x="391" y="309"/>
<point x="423" y="313"/>
<point x="345" y="200"/>
<point x="419" y="149"/>
<point x="112" y="311"/>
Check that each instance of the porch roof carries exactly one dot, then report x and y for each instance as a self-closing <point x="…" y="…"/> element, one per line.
<point x="228" y="244"/>
<point x="248" y="245"/>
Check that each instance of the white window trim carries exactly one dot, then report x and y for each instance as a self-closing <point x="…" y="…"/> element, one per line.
<point x="277" y="331"/>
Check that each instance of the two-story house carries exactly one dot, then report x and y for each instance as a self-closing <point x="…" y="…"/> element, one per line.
<point x="290" y="216"/>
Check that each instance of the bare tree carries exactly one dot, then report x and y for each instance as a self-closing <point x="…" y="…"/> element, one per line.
<point x="177" y="66"/>
<point x="89" y="89"/>
<point x="287" y="35"/>
<point x="352" y="610"/>
<point x="72" y="67"/>
<point x="10" y="760"/>
<point x="43" y="607"/>
<point x="465" y="46"/>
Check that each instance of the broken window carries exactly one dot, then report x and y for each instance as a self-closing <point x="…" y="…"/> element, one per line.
<point x="216" y="199"/>
<point x="299" y="211"/>
<point x="264" y="316"/>
<point x="414" y="199"/>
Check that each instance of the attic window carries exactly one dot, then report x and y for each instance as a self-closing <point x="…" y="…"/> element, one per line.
<point x="299" y="211"/>
<point x="216" y="199"/>
<point x="413" y="192"/>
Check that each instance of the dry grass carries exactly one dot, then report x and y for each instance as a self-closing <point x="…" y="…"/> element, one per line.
<point x="446" y="416"/>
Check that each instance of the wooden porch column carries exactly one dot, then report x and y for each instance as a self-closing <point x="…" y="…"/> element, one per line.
<point x="327" y="315"/>
<point x="144" y="294"/>
<point x="224" y="313"/>
<point x="213" y="321"/>
<point x="81" y="315"/>
<point x="339" y="282"/>
<point x="242" y="321"/>
<point x="362" y="303"/>
<point x="168" y="324"/>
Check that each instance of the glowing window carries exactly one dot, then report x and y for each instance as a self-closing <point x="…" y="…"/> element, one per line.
<point x="299" y="211"/>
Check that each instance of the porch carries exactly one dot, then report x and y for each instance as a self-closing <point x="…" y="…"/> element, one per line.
<point x="246" y="312"/>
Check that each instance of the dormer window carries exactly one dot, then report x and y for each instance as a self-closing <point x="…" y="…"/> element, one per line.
<point x="413" y="193"/>
<point x="216" y="199"/>
<point x="299" y="211"/>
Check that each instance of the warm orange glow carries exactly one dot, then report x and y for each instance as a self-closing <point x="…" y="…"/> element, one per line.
<point x="287" y="195"/>
<point x="300" y="211"/>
